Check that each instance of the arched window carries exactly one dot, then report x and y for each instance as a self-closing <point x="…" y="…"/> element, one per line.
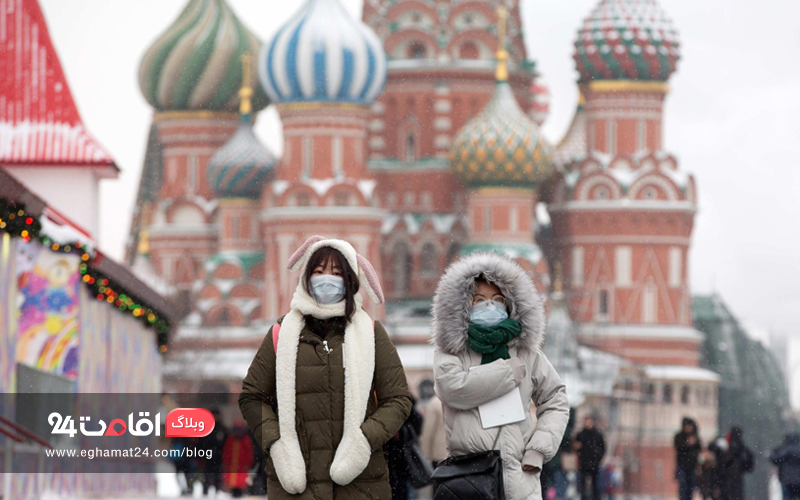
<point x="341" y="199"/>
<point x="428" y="265"/>
<point x="401" y="268"/>
<point x="411" y="147"/>
<point x="452" y="253"/>
<point x="224" y="317"/>
<point x="685" y="394"/>
<point x="468" y="51"/>
<point x="302" y="199"/>
<point x="666" y="394"/>
<point x="416" y="50"/>
<point x="650" y="392"/>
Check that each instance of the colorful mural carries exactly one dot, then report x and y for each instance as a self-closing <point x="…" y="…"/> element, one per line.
<point x="47" y="332"/>
<point x="95" y="362"/>
<point x="8" y="316"/>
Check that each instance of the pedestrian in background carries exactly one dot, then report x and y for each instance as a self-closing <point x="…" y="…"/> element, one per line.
<point x="238" y="458"/>
<point x="687" y="450"/>
<point x="707" y="480"/>
<point x="398" y="471"/>
<point x="736" y="462"/>
<point x="214" y="443"/>
<point x="787" y="458"/>
<point x="432" y="439"/>
<point x="591" y="448"/>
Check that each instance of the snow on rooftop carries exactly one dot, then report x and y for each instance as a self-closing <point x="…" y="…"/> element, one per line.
<point x="65" y="234"/>
<point x="689" y="373"/>
<point x="599" y="370"/>
<point x="320" y="186"/>
<point x="416" y="357"/>
<point x="389" y="223"/>
<point x="215" y="364"/>
<point x="279" y="187"/>
<point x="367" y="187"/>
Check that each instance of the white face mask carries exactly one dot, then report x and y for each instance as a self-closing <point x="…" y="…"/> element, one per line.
<point x="327" y="288"/>
<point x="488" y="313"/>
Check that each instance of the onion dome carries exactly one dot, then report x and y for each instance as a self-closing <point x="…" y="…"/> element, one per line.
<point x="501" y="146"/>
<point x="194" y="64"/>
<point x="627" y="40"/>
<point x="241" y="167"/>
<point x="322" y="54"/>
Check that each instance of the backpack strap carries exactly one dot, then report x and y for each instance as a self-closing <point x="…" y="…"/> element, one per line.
<point x="276" y="330"/>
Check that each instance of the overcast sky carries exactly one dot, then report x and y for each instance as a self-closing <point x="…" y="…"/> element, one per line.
<point x="731" y="119"/>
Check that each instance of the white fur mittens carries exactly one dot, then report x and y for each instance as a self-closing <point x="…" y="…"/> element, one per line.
<point x="352" y="457"/>
<point x="289" y="465"/>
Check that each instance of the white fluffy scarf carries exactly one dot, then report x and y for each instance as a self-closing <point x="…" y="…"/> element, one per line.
<point x="353" y="453"/>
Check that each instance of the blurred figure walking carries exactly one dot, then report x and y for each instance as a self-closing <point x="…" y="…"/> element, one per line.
<point x="214" y="443"/>
<point x="736" y="461"/>
<point x="398" y="471"/>
<point x="237" y="458"/>
<point x="787" y="458"/>
<point x="687" y="449"/>
<point x="707" y="481"/>
<point x="591" y="447"/>
<point x="432" y="438"/>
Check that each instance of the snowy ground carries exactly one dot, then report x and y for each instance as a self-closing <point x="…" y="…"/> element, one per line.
<point x="167" y="487"/>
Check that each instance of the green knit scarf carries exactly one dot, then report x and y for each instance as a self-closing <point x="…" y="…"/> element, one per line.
<point x="491" y="341"/>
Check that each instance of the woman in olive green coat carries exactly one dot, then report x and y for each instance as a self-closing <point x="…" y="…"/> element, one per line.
<point x="341" y="393"/>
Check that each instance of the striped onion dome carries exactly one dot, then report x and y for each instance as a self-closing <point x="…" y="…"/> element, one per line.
<point x="322" y="54"/>
<point x="627" y="40"/>
<point x="195" y="64"/>
<point x="501" y="146"/>
<point x="241" y="167"/>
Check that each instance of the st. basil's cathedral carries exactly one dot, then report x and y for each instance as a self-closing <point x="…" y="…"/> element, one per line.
<point x="414" y="134"/>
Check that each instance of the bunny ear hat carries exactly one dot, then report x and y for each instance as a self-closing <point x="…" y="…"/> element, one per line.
<point x="367" y="276"/>
<point x="353" y="453"/>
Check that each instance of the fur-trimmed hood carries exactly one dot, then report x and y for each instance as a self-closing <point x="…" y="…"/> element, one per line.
<point x="452" y="302"/>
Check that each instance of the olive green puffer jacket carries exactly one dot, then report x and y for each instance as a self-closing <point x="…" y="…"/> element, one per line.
<point x="320" y="412"/>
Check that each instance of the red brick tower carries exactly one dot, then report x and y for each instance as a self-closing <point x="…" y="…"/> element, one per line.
<point x="623" y="213"/>
<point x="502" y="157"/>
<point x="622" y="217"/>
<point x="441" y="75"/>
<point x="191" y="76"/>
<point x="322" y="185"/>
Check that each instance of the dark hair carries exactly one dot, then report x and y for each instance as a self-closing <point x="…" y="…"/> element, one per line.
<point x="351" y="284"/>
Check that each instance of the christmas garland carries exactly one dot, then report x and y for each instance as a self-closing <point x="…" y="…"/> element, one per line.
<point x="15" y="221"/>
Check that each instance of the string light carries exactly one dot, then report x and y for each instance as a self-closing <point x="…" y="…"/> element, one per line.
<point x="13" y="220"/>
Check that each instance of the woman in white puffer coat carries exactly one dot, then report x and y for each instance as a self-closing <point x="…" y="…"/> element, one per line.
<point x="488" y="316"/>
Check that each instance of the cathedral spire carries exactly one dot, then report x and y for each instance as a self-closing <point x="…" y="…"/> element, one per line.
<point x="501" y="73"/>
<point x="246" y="92"/>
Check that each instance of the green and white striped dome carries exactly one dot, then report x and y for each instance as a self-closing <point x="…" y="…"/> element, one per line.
<point x="196" y="63"/>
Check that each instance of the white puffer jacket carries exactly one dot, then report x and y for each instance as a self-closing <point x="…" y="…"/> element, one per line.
<point x="532" y="441"/>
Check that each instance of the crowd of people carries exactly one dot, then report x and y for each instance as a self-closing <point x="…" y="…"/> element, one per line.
<point x="717" y="470"/>
<point x="328" y="413"/>
<point x="235" y="465"/>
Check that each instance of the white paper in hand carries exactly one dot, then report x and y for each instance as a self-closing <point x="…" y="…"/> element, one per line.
<point x="506" y="409"/>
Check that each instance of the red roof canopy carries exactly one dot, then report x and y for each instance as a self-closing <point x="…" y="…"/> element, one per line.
<point x="39" y="122"/>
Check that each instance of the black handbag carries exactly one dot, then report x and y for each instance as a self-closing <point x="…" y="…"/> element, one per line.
<point x="477" y="476"/>
<point x="418" y="467"/>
